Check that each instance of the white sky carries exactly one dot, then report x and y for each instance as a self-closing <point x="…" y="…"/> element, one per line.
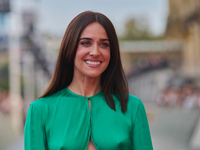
<point x="55" y="15"/>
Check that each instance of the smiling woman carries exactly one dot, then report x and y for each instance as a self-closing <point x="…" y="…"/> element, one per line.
<point x="87" y="105"/>
<point x="93" y="53"/>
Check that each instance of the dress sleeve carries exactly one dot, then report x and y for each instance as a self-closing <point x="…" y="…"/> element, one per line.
<point x="34" y="133"/>
<point x="141" y="139"/>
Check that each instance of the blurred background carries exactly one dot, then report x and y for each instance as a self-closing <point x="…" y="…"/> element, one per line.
<point x="160" y="50"/>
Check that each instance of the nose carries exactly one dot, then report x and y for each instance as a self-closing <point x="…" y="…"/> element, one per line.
<point x="95" y="50"/>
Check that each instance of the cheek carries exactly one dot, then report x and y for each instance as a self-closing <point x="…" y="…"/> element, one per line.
<point x="77" y="60"/>
<point x="80" y="53"/>
<point x="107" y="55"/>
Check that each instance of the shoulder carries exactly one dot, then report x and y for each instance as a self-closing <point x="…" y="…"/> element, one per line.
<point x="49" y="100"/>
<point x="134" y="104"/>
<point x="133" y="100"/>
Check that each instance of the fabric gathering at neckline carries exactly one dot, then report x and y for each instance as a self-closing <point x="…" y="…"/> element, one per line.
<point x="81" y="96"/>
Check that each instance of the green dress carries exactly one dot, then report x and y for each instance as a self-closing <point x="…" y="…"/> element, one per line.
<point x="63" y="121"/>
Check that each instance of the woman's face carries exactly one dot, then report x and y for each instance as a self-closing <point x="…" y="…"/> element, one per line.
<point x="93" y="51"/>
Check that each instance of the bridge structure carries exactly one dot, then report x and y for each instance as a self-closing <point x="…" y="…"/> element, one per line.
<point x="149" y="65"/>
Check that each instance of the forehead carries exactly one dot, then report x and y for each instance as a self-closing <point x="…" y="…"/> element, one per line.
<point x="94" y="29"/>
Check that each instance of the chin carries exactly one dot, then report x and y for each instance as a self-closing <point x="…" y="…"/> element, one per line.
<point x="93" y="75"/>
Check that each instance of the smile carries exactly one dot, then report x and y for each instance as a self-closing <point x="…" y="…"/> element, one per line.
<point x="93" y="62"/>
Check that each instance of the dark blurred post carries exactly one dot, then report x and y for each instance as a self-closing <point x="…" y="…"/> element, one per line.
<point x="36" y="66"/>
<point x="4" y="11"/>
<point x="4" y="6"/>
<point x="28" y="61"/>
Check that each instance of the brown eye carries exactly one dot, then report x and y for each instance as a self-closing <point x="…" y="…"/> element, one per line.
<point x="104" y="45"/>
<point x="86" y="43"/>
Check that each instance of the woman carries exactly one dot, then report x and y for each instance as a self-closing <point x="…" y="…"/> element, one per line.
<point x="87" y="105"/>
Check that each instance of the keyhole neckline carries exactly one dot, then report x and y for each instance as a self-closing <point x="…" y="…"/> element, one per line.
<point x="81" y="96"/>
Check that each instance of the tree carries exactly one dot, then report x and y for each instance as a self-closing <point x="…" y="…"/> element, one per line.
<point x="137" y="30"/>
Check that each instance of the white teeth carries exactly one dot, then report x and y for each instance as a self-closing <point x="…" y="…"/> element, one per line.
<point x="92" y="62"/>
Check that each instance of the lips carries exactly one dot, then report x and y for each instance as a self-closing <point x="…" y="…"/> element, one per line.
<point x="93" y="62"/>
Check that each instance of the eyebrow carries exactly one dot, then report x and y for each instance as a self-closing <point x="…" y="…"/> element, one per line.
<point x="85" y="38"/>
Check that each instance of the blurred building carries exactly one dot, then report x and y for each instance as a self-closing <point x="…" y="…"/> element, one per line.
<point x="177" y="53"/>
<point x="184" y="24"/>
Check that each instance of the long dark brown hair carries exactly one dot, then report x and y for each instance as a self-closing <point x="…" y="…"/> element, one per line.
<point x="113" y="80"/>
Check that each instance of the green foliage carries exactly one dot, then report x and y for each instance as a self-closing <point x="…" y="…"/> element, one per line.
<point x="4" y="77"/>
<point x="137" y="30"/>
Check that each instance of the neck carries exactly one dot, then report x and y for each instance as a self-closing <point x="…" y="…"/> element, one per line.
<point x="85" y="86"/>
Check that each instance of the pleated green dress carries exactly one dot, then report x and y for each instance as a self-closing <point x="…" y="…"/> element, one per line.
<point x="63" y="121"/>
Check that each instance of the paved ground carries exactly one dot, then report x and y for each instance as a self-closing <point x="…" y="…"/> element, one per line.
<point x="171" y="129"/>
<point x="16" y="145"/>
<point x="6" y="133"/>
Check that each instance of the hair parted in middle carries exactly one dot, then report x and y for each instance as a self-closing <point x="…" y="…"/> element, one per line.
<point x="113" y="80"/>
